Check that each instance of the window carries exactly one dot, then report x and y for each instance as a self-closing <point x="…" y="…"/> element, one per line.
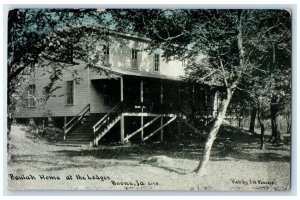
<point x="70" y="93"/>
<point x="134" y="56"/>
<point x="156" y="62"/>
<point x="106" y="55"/>
<point x="31" y="96"/>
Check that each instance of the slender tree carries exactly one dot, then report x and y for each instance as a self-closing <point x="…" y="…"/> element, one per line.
<point x="220" y="46"/>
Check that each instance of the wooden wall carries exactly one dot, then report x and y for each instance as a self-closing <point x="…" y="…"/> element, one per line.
<point x="120" y="56"/>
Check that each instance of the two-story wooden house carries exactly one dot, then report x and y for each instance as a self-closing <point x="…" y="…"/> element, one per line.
<point x="132" y="94"/>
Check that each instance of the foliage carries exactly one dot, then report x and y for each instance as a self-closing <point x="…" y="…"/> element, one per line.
<point x="222" y="47"/>
<point x="238" y="40"/>
<point x="45" y="38"/>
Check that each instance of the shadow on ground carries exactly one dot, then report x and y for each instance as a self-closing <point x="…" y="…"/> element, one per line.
<point x="231" y="144"/>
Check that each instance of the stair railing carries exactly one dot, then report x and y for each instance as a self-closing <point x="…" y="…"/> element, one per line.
<point x="106" y="119"/>
<point x="75" y="120"/>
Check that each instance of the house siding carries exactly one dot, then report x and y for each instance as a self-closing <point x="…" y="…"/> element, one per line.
<point x="84" y="91"/>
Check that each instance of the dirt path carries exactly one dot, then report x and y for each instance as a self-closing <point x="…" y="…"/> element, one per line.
<point x="236" y="164"/>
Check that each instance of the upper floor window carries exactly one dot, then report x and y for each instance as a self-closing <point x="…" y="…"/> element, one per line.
<point x="156" y="62"/>
<point x="134" y="56"/>
<point x="70" y="93"/>
<point x="31" y="96"/>
<point x="105" y="55"/>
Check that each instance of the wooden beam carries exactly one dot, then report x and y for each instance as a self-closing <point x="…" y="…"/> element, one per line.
<point x="147" y="114"/>
<point x="140" y="114"/>
<point x="65" y="122"/>
<point x="215" y="104"/>
<point x="151" y="134"/>
<point x="88" y="85"/>
<point x="142" y="117"/>
<point x="179" y="97"/>
<point x="193" y="96"/>
<point x="122" y="88"/>
<point x="162" y="130"/>
<point x="142" y="128"/>
<point x="179" y="128"/>
<point x="122" y="129"/>
<point x="142" y="91"/>
<point x="138" y="130"/>
<point x="161" y="93"/>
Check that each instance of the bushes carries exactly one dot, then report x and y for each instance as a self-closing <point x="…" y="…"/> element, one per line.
<point x="43" y="130"/>
<point x="52" y="134"/>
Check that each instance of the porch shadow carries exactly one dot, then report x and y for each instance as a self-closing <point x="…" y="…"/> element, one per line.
<point x="230" y="144"/>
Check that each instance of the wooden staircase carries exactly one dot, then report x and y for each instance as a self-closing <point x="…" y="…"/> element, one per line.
<point x="106" y="123"/>
<point x="106" y="129"/>
<point x="87" y="129"/>
<point x="82" y="134"/>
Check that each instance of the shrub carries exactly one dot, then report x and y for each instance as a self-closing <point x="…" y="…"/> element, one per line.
<point x="52" y="134"/>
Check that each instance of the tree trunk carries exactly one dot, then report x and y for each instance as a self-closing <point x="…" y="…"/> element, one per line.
<point x="213" y="133"/>
<point x="276" y="134"/>
<point x="9" y="124"/>
<point x="252" y="119"/>
<point x="288" y="126"/>
<point x="288" y="121"/>
<point x="262" y="130"/>
<point x="279" y="135"/>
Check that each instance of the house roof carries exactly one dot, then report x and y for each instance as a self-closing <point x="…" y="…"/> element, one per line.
<point x="128" y="72"/>
<point x="114" y="32"/>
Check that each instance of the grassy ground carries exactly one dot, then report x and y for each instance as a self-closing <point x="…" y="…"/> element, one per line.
<point x="237" y="164"/>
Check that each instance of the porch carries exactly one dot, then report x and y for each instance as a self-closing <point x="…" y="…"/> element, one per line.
<point x="141" y="107"/>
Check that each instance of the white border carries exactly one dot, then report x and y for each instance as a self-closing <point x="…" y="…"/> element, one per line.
<point x="255" y="4"/>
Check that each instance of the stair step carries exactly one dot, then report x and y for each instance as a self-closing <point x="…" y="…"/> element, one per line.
<point x="79" y="138"/>
<point x="72" y="144"/>
<point x="80" y="135"/>
<point x="83" y="134"/>
<point x="84" y="131"/>
<point x="78" y="141"/>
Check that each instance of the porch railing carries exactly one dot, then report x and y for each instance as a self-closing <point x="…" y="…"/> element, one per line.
<point x="109" y="117"/>
<point x="75" y="120"/>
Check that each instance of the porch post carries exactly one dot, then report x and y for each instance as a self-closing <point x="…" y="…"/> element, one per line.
<point x="122" y="130"/>
<point x="162" y="130"/>
<point x="122" y="88"/>
<point x="193" y="96"/>
<point x="162" y="118"/>
<point x="65" y="122"/>
<point x="88" y="85"/>
<point x="215" y="104"/>
<point x="142" y="100"/>
<point x="161" y="93"/>
<point x="179" y="129"/>
<point x="179" y="98"/>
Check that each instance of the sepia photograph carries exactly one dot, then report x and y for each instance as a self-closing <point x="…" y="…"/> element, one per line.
<point x="149" y="99"/>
